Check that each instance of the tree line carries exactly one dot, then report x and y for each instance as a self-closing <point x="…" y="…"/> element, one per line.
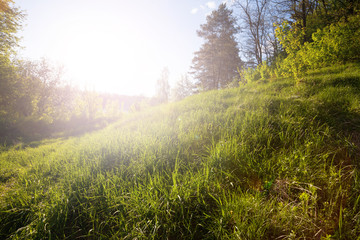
<point x="36" y="101"/>
<point x="274" y="38"/>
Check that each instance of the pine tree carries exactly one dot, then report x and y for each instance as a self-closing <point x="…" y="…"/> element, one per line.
<point x="215" y="64"/>
<point x="163" y="87"/>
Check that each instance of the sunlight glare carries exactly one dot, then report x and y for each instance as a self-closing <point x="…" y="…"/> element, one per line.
<point x="106" y="57"/>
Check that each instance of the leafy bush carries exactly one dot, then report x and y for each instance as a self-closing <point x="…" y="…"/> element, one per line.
<point x="336" y="43"/>
<point x="290" y="37"/>
<point x="265" y="71"/>
<point x="250" y="75"/>
<point x="261" y="72"/>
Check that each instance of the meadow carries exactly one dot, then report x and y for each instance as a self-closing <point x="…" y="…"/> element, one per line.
<point x="272" y="159"/>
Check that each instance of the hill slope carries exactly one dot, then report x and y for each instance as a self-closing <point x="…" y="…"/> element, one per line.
<point x="268" y="160"/>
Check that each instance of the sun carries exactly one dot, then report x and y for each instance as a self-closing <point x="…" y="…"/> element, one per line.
<point x="106" y="57"/>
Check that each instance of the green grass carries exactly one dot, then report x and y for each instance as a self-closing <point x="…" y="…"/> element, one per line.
<point x="270" y="160"/>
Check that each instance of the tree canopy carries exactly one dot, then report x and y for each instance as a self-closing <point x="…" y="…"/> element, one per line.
<point x="10" y="22"/>
<point x="215" y="64"/>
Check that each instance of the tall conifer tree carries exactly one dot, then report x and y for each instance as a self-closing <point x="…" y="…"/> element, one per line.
<point x="215" y="65"/>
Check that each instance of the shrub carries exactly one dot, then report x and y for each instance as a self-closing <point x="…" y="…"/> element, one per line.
<point x="250" y="75"/>
<point x="265" y="71"/>
<point x="336" y="43"/>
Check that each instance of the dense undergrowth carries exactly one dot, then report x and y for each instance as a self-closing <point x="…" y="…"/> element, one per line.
<point x="270" y="160"/>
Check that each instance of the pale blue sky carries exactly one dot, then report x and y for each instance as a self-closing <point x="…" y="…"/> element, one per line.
<point x="114" y="45"/>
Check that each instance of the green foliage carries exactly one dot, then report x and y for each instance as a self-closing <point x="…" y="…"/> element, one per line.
<point x="250" y="75"/>
<point x="10" y="22"/>
<point x="290" y="37"/>
<point x="261" y="72"/>
<point x="265" y="71"/>
<point x="33" y="94"/>
<point x="267" y="160"/>
<point x="336" y="43"/>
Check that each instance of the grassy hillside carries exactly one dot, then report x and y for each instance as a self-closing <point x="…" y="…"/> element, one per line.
<point x="269" y="160"/>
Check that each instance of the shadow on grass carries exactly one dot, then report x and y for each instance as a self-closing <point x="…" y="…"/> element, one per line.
<point x="338" y="116"/>
<point x="32" y="133"/>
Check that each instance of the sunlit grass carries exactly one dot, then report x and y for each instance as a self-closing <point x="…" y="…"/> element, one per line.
<point x="264" y="161"/>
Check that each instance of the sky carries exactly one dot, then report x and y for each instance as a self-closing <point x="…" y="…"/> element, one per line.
<point x="114" y="46"/>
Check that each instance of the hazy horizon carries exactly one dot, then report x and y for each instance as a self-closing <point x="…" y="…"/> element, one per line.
<point x="114" y="47"/>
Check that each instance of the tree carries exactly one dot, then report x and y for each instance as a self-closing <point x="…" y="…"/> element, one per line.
<point x="163" y="87"/>
<point x="299" y="11"/>
<point x="183" y="88"/>
<point x="215" y="65"/>
<point x="257" y="28"/>
<point x="91" y="103"/>
<point x="38" y="82"/>
<point x="309" y="16"/>
<point x="10" y="23"/>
